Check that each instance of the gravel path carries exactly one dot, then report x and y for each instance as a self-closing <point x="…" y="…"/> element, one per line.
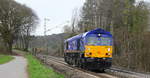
<point x="14" y="69"/>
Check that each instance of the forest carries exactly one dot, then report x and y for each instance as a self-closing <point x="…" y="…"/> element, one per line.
<point x="127" y="20"/>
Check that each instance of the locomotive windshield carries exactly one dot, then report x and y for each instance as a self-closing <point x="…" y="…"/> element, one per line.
<point x="94" y="40"/>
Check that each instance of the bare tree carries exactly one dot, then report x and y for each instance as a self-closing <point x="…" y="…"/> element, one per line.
<point x="74" y="20"/>
<point x="30" y="25"/>
<point x="14" y="19"/>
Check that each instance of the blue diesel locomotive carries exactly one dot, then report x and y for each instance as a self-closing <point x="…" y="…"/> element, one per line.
<point x="90" y="50"/>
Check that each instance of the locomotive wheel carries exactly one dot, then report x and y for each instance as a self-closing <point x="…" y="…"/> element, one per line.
<point x="78" y="62"/>
<point x="71" y="61"/>
<point x="83" y="64"/>
<point x="66" y="59"/>
<point x="102" y="70"/>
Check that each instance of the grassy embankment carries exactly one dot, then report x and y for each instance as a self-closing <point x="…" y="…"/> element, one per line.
<point x="5" y="58"/>
<point x="37" y="70"/>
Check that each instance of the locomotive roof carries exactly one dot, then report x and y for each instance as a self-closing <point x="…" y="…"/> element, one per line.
<point x="95" y="31"/>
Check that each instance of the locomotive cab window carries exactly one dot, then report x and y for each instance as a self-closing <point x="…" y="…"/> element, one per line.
<point x="98" y="40"/>
<point x="78" y="44"/>
<point x="105" y="41"/>
<point x="66" y="45"/>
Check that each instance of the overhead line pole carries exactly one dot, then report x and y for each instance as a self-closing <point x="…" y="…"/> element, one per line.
<point x="45" y="36"/>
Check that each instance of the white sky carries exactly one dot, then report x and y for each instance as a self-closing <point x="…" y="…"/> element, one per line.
<point x="143" y="0"/>
<point x="58" y="11"/>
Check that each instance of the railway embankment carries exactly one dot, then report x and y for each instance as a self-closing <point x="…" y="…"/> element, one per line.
<point x="59" y="65"/>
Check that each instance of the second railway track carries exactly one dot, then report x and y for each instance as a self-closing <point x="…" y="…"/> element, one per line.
<point x="81" y="73"/>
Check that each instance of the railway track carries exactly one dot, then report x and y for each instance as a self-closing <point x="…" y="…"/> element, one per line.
<point x="79" y="73"/>
<point x="103" y="75"/>
<point x="126" y="73"/>
<point x="109" y="73"/>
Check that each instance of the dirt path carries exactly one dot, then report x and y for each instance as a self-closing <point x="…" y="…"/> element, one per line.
<point x="14" y="69"/>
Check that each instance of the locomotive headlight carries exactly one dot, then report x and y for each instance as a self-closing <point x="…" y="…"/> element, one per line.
<point x="108" y="49"/>
<point x="104" y="58"/>
<point x="99" y="35"/>
<point x="108" y="54"/>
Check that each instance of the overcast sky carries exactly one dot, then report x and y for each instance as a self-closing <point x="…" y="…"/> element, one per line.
<point x="58" y="11"/>
<point x="143" y="0"/>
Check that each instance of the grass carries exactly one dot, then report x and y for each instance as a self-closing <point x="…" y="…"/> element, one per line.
<point x="5" y="58"/>
<point x="38" y="70"/>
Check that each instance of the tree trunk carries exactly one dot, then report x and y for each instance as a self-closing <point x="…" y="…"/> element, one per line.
<point x="26" y="45"/>
<point x="10" y="48"/>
